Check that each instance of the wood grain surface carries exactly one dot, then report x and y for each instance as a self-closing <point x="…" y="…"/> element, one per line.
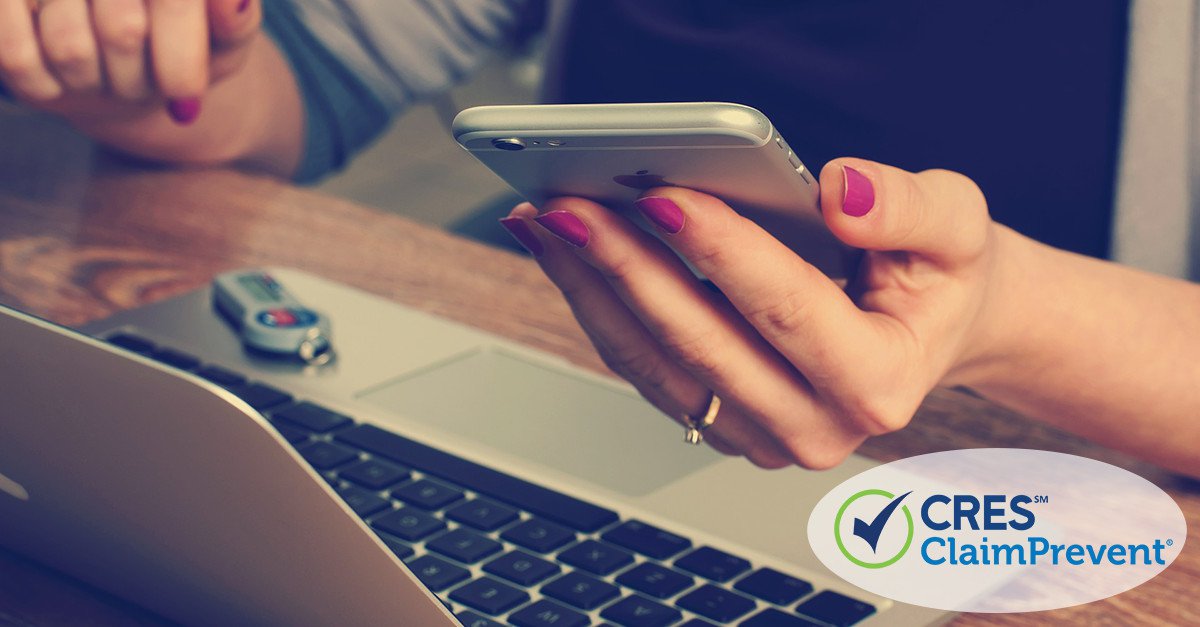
<point x="80" y="243"/>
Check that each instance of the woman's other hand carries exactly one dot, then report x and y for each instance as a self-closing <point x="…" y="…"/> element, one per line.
<point x="96" y="61"/>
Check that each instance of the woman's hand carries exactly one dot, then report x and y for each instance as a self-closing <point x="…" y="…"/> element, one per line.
<point x="805" y="370"/>
<point x="99" y="61"/>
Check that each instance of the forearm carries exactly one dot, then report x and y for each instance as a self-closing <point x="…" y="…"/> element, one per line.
<point x="1101" y="350"/>
<point x="253" y="118"/>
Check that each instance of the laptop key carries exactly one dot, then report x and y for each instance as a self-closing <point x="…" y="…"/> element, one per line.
<point x="582" y="591"/>
<point x="374" y="474"/>
<point x="175" y="358"/>
<point x="595" y="557"/>
<point x="637" y="611"/>
<point x="260" y="396"/>
<point x="548" y="614"/>
<point x="836" y="609"/>
<point x="291" y="434"/>
<point x="427" y="494"/>
<point x="401" y="549"/>
<point x="489" y="596"/>
<point x="437" y="574"/>
<point x="648" y="540"/>
<point x="326" y="455"/>
<point x="408" y="524"/>
<point x="538" y="535"/>
<point x="716" y="603"/>
<point x="133" y="343"/>
<point x="482" y="514"/>
<point x="220" y="376"/>
<point x="697" y="622"/>
<point x="773" y="586"/>
<point x="471" y="619"/>
<point x="543" y="502"/>
<point x="710" y="563"/>
<point x="655" y="580"/>
<point x="464" y="545"/>
<point x="772" y="617"/>
<point x="311" y="416"/>
<point x="362" y="502"/>
<point x="521" y="568"/>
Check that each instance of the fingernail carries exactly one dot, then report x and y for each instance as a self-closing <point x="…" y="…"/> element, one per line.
<point x="184" y="111"/>
<point x="663" y="212"/>
<point x="523" y="234"/>
<point x="566" y="226"/>
<point x="859" y="196"/>
<point x="243" y="5"/>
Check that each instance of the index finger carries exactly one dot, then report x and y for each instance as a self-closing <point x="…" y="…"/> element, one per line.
<point x="179" y="48"/>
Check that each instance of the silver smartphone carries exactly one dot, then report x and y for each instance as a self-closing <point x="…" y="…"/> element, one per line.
<point x="610" y="153"/>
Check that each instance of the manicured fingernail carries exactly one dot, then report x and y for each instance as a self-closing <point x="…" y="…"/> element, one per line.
<point x="523" y="234"/>
<point x="859" y="196"/>
<point x="663" y="212"/>
<point x="184" y="111"/>
<point x="566" y="226"/>
<point x="243" y="5"/>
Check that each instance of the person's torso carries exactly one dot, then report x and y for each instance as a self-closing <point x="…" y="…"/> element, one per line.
<point x="1023" y="96"/>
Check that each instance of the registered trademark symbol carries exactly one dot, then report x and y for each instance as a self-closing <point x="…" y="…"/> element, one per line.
<point x="1170" y="543"/>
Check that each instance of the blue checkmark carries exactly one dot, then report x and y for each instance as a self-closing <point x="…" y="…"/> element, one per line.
<point x="870" y="532"/>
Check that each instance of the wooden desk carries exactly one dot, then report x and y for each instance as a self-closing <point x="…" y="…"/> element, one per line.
<point x="76" y="248"/>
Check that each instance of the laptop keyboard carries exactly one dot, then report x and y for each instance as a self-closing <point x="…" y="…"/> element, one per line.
<point x="499" y="550"/>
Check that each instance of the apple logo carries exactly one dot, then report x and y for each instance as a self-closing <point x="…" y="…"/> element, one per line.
<point x="12" y="488"/>
<point x="642" y="180"/>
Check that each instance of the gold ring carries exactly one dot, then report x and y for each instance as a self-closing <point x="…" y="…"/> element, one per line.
<point x="694" y="427"/>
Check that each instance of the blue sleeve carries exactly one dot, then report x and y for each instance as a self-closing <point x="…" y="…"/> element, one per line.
<point x="357" y="62"/>
<point x="341" y="114"/>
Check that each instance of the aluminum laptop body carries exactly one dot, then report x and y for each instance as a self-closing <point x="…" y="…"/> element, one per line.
<point x="166" y="489"/>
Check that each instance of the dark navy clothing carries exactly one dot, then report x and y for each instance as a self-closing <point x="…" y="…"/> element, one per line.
<point x="1023" y="96"/>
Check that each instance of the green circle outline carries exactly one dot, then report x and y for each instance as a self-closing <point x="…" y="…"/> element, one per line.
<point x="837" y="531"/>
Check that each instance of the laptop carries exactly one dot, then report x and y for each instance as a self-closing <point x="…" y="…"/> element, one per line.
<point x="430" y="475"/>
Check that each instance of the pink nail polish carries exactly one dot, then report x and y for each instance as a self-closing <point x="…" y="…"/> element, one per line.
<point x="858" y="196"/>
<point x="184" y="111"/>
<point x="523" y="234"/>
<point x="663" y="212"/>
<point x="566" y="226"/>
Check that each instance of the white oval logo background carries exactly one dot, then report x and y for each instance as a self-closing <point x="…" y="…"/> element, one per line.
<point x="870" y="530"/>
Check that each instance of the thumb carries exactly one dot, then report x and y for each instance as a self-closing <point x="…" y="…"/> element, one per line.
<point x="233" y="22"/>
<point x="939" y="214"/>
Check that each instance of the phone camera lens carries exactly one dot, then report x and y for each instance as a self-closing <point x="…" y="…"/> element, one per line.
<point x="509" y="143"/>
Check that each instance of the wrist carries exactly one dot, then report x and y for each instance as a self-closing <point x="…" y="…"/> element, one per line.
<point x="1007" y="311"/>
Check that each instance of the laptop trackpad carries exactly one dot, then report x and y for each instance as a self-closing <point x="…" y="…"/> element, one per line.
<point x="547" y="415"/>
